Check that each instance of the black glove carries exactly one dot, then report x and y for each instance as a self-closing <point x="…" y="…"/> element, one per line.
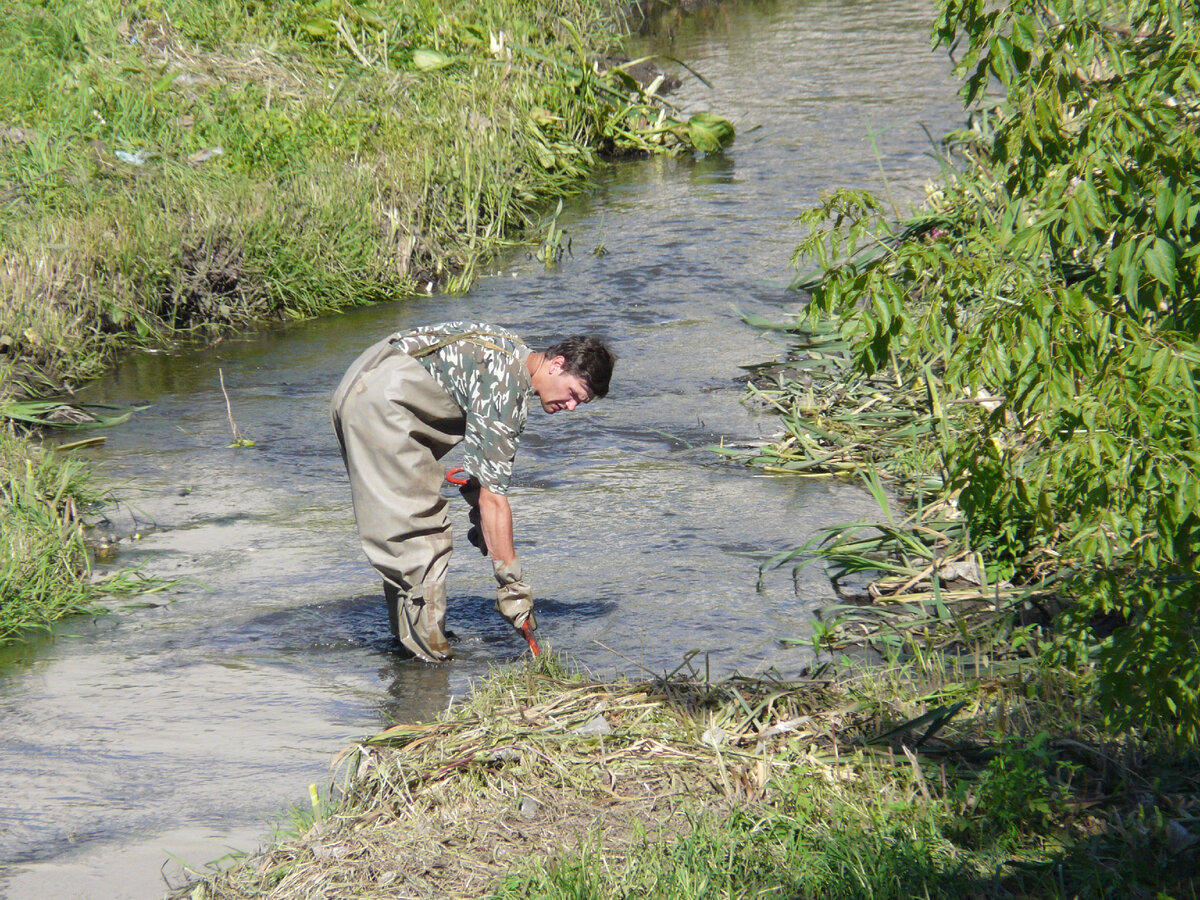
<point x="470" y="493"/>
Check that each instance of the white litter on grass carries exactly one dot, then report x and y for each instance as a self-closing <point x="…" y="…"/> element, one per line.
<point x="714" y="736"/>
<point x="205" y="155"/>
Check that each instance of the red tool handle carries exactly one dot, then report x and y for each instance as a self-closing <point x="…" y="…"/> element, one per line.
<point x="453" y="477"/>
<point x="533" y="644"/>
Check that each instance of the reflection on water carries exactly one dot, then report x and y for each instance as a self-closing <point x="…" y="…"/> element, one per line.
<point x="183" y="727"/>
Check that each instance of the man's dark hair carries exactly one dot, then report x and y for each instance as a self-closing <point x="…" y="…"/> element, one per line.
<point x="588" y="358"/>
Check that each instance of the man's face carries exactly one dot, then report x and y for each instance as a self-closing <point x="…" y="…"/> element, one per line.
<point x="559" y="390"/>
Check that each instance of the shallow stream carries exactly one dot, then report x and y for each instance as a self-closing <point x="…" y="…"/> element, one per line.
<point x="179" y="730"/>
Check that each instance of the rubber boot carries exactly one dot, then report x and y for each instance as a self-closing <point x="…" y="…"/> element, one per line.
<point x="417" y="620"/>
<point x="391" y="596"/>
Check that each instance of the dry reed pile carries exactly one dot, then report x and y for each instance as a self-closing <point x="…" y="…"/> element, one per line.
<point x="539" y="763"/>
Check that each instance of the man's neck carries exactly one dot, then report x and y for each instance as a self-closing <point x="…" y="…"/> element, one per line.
<point x="534" y="362"/>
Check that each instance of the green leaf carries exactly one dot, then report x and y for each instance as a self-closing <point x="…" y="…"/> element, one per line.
<point x="321" y="29"/>
<point x="165" y="82"/>
<point x="430" y="60"/>
<point x="1160" y="263"/>
<point x="709" y="133"/>
<point x="1164" y="205"/>
<point x="1024" y="33"/>
<point x="545" y="155"/>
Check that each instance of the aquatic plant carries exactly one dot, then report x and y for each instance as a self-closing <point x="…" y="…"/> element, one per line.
<point x="41" y="553"/>
<point x="45" y="573"/>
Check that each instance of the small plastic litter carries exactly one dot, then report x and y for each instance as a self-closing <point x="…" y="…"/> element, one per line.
<point x="714" y="736"/>
<point x="134" y="159"/>
<point x="205" y="155"/>
<point x="597" y="726"/>
<point x="1178" y="837"/>
<point x="528" y="808"/>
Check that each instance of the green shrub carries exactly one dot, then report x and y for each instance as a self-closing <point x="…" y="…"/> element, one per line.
<point x="1054" y="274"/>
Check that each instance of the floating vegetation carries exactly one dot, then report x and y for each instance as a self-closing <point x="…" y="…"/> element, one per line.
<point x="62" y="414"/>
<point x="839" y="420"/>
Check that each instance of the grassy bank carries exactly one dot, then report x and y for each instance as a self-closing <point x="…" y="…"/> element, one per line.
<point x="940" y="779"/>
<point x="171" y="169"/>
<point x="171" y="166"/>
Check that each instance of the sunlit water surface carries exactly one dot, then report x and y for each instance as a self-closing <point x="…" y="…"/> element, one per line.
<point x="179" y="731"/>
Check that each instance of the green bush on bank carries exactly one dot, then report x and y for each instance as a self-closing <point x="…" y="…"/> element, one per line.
<point x="1045" y="306"/>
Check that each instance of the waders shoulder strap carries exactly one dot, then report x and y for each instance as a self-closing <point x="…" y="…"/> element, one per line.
<point x="471" y="337"/>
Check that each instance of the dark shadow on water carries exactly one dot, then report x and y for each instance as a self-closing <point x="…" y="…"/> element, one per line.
<point x="360" y="623"/>
<point x="354" y="623"/>
<point x="713" y="169"/>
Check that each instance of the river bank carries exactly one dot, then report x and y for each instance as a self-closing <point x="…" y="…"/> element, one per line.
<point x="172" y="173"/>
<point x="885" y="782"/>
<point x="881" y="781"/>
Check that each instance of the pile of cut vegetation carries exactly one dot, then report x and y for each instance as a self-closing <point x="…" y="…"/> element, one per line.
<point x="535" y="762"/>
<point x="945" y="778"/>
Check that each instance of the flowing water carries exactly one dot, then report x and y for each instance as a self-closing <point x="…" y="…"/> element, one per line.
<point x="179" y="730"/>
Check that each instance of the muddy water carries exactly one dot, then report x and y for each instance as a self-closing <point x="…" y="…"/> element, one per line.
<point x="177" y="731"/>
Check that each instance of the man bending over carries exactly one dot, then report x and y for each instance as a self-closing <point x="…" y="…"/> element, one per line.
<point x="400" y="408"/>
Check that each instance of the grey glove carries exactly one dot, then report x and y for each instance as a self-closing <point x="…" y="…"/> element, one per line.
<point x="514" y="598"/>
<point x="470" y="493"/>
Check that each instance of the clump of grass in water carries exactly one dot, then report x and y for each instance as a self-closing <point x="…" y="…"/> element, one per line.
<point x="912" y="583"/>
<point x="42" y="556"/>
<point x="44" y="568"/>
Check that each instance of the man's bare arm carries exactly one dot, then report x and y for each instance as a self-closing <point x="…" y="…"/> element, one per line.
<point x="496" y="520"/>
<point x="514" y="599"/>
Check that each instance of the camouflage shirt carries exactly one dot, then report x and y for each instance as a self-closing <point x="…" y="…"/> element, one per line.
<point x="482" y="368"/>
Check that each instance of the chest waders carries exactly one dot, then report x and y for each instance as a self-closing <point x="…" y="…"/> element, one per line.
<point x="394" y="423"/>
